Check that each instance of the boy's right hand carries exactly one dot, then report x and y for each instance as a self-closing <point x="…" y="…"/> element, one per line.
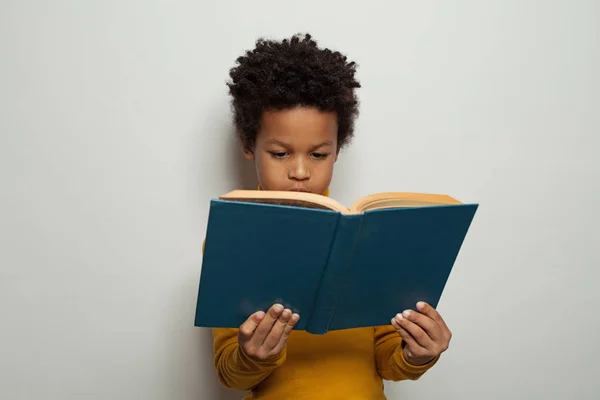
<point x="263" y="336"/>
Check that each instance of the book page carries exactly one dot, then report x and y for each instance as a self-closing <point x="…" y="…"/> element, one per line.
<point x="385" y="200"/>
<point x="284" y="202"/>
<point x="294" y="199"/>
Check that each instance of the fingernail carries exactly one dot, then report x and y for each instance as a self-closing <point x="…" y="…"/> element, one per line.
<point x="278" y="308"/>
<point x="295" y="317"/>
<point x="399" y="317"/>
<point x="260" y="315"/>
<point x="406" y="314"/>
<point x="420" y="304"/>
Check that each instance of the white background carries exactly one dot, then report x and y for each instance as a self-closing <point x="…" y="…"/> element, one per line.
<point x="115" y="133"/>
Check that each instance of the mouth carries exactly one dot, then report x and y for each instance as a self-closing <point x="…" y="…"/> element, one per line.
<point x="299" y="190"/>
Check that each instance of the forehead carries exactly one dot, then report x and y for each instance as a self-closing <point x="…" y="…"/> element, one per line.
<point x="298" y="125"/>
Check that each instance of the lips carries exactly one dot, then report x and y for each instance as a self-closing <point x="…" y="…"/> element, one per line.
<point x="300" y="190"/>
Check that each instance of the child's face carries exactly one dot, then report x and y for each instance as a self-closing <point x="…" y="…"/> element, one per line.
<point x="295" y="149"/>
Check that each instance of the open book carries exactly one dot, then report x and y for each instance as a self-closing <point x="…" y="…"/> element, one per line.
<point x="374" y="201"/>
<point x="337" y="267"/>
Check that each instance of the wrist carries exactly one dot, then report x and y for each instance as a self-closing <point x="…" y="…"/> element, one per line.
<point x="273" y="360"/>
<point x="414" y="360"/>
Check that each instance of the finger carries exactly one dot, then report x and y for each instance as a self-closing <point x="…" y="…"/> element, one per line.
<point x="415" y="331"/>
<point x="431" y="327"/>
<point x="431" y="312"/>
<point x="287" y="330"/>
<point x="277" y="330"/>
<point x="250" y="325"/>
<point x="407" y="337"/>
<point x="266" y="324"/>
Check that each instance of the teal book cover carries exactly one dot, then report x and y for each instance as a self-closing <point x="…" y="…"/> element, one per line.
<point x="336" y="270"/>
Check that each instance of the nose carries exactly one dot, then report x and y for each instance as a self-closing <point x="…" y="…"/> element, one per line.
<point x="299" y="170"/>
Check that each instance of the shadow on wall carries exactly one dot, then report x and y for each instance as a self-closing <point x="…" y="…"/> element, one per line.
<point x="244" y="173"/>
<point x="242" y="176"/>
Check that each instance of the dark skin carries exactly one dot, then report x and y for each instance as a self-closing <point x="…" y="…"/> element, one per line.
<point x="296" y="149"/>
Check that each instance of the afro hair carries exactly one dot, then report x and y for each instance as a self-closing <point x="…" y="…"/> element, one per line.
<point x="294" y="72"/>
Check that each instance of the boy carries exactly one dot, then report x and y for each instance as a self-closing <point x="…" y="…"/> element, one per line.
<point x="294" y="109"/>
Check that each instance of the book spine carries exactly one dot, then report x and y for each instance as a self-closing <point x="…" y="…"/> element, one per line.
<point x="337" y="263"/>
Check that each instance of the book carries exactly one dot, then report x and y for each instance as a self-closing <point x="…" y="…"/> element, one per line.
<point x="337" y="267"/>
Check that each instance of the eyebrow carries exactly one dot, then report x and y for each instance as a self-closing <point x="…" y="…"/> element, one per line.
<point x="280" y="143"/>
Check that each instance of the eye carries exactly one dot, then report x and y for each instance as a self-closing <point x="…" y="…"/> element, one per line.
<point x="278" y="154"/>
<point x="320" y="156"/>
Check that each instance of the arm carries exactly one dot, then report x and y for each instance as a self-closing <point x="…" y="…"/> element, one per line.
<point x="244" y="357"/>
<point x="390" y="358"/>
<point x="235" y="369"/>
<point x="412" y="344"/>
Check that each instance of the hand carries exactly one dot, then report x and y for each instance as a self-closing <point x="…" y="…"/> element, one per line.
<point x="425" y="334"/>
<point x="263" y="336"/>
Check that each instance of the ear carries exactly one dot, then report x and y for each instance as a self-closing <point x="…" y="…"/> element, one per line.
<point x="248" y="153"/>
<point x="247" y="148"/>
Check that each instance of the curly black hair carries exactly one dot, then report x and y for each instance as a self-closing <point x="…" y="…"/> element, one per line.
<point x="293" y="72"/>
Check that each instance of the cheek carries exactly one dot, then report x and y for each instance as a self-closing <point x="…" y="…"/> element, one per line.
<point x="322" y="172"/>
<point x="328" y="169"/>
<point x="267" y="169"/>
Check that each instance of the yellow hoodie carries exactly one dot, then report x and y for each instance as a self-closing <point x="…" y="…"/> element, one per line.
<point x="346" y="364"/>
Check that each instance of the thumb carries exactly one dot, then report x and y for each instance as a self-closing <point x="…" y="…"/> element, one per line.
<point x="249" y="326"/>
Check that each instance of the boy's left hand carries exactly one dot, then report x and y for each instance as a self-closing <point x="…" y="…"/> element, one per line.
<point x="424" y="332"/>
